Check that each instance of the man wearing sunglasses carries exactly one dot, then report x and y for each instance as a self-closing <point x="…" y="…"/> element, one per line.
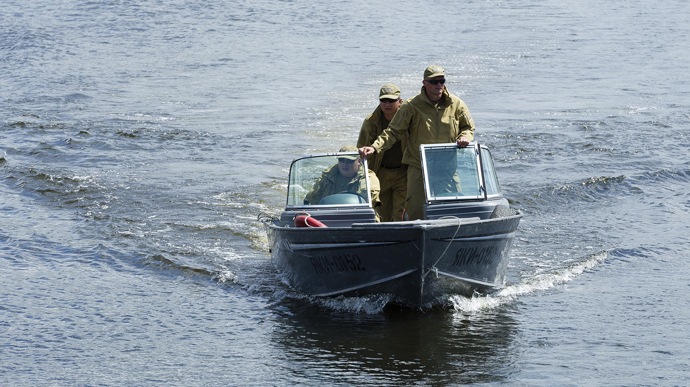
<point x="433" y="116"/>
<point x="388" y="166"/>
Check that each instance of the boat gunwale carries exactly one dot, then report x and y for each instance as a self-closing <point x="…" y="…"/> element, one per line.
<point x="422" y="224"/>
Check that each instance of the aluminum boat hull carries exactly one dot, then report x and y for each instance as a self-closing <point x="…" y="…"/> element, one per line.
<point x="416" y="261"/>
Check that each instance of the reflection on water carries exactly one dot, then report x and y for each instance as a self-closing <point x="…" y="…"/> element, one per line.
<point x="396" y="346"/>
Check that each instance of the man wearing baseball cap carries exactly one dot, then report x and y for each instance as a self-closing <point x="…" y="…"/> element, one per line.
<point x="388" y="166"/>
<point x="433" y="116"/>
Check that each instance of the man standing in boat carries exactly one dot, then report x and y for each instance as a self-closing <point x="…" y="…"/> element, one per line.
<point x="388" y="166"/>
<point x="433" y="116"/>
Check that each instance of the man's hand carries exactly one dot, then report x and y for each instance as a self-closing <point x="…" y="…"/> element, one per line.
<point x="366" y="151"/>
<point x="461" y="141"/>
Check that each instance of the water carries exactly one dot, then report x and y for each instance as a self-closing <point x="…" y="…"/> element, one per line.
<point x="139" y="143"/>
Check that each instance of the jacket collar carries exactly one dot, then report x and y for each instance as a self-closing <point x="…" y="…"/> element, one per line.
<point x="445" y="98"/>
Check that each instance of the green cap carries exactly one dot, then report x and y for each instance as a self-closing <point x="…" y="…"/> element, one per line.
<point x="348" y="148"/>
<point x="389" y="91"/>
<point x="434" y="71"/>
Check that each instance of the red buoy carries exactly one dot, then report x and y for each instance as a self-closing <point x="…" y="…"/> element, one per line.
<point x="307" y="221"/>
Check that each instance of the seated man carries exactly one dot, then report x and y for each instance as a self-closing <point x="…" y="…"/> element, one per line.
<point x="347" y="175"/>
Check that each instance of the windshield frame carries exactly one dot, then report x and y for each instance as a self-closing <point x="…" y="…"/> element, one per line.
<point x="474" y="156"/>
<point x="306" y="170"/>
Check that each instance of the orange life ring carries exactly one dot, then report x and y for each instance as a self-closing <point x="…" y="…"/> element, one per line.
<point x="307" y="221"/>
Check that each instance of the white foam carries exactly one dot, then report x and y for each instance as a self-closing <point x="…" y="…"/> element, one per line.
<point x="538" y="283"/>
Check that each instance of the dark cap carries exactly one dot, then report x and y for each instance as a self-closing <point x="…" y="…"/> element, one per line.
<point x="434" y="71"/>
<point x="389" y="91"/>
<point x="348" y="148"/>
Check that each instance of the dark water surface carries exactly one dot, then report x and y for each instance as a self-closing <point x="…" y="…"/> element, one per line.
<point x="139" y="143"/>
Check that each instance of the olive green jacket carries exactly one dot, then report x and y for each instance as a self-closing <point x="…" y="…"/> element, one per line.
<point x="421" y="122"/>
<point x="371" y="129"/>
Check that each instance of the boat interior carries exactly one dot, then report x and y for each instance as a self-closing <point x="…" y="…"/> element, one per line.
<point x="459" y="183"/>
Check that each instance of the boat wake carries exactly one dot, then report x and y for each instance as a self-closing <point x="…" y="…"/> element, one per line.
<point x="537" y="283"/>
<point x="546" y="281"/>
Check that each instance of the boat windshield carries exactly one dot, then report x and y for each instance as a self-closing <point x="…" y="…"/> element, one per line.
<point x="329" y="180"/>
<point x="452" y="173"/>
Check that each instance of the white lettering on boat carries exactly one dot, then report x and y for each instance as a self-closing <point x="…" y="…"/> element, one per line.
<point x="329" y="264"/>
<point x="475" y="256"/>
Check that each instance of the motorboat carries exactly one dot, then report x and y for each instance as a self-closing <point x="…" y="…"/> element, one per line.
<point x="334" y="246"/>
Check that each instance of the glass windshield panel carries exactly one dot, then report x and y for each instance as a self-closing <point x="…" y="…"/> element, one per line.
<point x="338" y="179"/>
<point x="452" y="173"/>
<point x="491" y="180"/>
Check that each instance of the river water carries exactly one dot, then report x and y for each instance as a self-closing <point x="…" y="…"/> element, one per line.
<point x="139" y="141"/>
